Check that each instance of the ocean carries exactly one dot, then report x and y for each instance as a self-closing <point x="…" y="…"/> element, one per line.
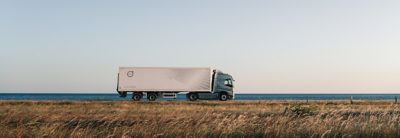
<point x="115" y="97"/>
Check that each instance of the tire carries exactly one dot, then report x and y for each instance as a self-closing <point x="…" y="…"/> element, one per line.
<point x="137" y="96"/>
<point x="192" y="96"/>
<point x="223" y="97"/>
<point x="151" y="96"/>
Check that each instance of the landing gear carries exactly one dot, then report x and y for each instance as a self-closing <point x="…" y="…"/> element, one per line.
<point x="137" y="96"/>
<point x="122" y="94"/>
<point x="192" y="96"/>
<point x="151" y="96"/>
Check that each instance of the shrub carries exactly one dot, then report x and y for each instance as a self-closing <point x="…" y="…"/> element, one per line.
<point x="302" y="110"/>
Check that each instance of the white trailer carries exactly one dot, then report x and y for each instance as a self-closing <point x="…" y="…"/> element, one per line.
<point x="166" y="81"/>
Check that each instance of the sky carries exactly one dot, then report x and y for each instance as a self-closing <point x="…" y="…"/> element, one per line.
<point x="285" y="46"/>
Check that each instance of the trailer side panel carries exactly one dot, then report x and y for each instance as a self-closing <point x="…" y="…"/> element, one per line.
<point x="164" y="79"/>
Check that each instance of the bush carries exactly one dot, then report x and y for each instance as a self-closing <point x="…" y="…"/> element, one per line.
<point x="302" y="110"/>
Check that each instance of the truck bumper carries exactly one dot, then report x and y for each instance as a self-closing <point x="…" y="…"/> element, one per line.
<point x="231" y="95"/>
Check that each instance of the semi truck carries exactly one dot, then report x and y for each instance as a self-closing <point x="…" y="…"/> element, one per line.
<point x="167" y="82"/>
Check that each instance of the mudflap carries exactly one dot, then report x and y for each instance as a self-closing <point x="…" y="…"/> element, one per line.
<point x="122" y="94"/>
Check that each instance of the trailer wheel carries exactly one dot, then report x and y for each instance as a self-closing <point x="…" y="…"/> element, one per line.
<point x="223" y="97"/>
<point x="137" y="96"/>
<point x="192" y="96"/>
<point x="151" y="96"/>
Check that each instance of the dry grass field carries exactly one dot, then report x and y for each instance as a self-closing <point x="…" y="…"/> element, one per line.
<point x="199" y="119"/>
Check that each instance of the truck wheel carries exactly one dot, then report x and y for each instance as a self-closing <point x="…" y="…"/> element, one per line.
<point x="137" y="96"/>
<point x="223" y="97"/>
<point x="192" y="96"/>
<point x="151" y="96"/>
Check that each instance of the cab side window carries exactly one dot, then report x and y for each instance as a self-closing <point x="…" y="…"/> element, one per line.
<point x="228" y="82"/>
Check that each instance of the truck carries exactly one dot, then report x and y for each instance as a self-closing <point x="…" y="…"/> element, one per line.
<point x="167" y="82"/>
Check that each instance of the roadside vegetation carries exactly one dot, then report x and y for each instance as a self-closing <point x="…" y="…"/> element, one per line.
<point x="199" y="119"/>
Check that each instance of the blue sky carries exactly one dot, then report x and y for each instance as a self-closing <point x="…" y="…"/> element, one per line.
<point x="268" y="46"/>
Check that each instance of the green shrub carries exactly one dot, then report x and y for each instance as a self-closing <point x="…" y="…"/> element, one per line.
<point x="302" y="110"/>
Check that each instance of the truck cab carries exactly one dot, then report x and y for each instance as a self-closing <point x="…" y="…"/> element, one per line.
<point x="222" y="88"/>
<point x="224" y="84"/>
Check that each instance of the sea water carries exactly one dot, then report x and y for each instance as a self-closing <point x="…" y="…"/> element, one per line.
<point x="180" y="97"/>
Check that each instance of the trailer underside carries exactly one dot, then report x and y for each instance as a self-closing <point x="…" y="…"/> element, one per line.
<point x="152" y="95"/>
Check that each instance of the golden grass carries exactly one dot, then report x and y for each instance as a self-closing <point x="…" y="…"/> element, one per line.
<point x="199" y="119"/>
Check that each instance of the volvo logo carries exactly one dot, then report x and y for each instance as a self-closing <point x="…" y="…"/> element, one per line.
<point x="130" y="73"/>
